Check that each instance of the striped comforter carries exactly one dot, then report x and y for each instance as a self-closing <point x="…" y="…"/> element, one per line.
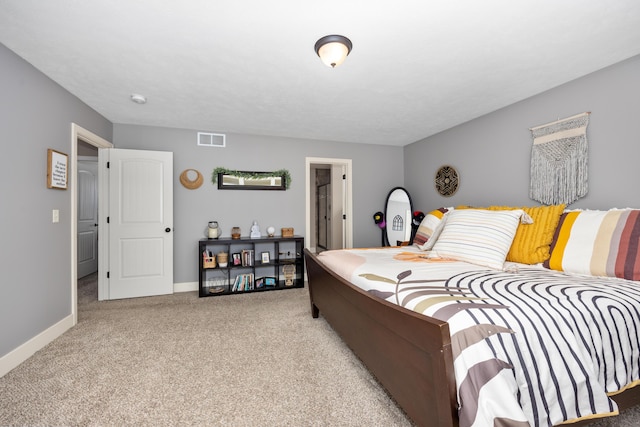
<point x="531" y="346"/>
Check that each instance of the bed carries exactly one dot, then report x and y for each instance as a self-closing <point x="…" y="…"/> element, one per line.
<point x="406" y="313"/>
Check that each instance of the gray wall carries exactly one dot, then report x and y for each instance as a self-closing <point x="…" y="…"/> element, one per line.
<point x="376" y="169"/>
<point x="492" y="153"/>
<point x="35" y="114"/>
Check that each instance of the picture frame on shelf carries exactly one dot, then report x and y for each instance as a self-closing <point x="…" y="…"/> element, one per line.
<point x="236" y="259"/>
<point x="259" y="283"/>
<point x="270" y="281"/>
<point x="265" y="257"/>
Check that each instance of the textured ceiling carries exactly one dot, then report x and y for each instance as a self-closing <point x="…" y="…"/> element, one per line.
<point x="248" y="66"/>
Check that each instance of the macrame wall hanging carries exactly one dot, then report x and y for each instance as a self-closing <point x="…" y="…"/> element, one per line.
<point x="559" y="160"/>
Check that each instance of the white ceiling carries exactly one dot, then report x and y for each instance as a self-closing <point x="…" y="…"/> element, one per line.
<point x="248" y="66"/>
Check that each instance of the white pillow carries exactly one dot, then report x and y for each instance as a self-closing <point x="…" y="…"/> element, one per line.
<point x="477" y="236"/>
<point x="435" y="234"/>
<point x="428" y="227"/>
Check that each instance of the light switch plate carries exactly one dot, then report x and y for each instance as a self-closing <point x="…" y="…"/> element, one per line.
<point x="55" y="216"/>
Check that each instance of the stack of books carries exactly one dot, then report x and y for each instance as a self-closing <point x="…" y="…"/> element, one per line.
<point x="248" y="257"/>
<point x="243" y="282"/>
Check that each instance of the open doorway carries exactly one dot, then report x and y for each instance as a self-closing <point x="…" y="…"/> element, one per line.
<point x="83" y="144"/>
<point x="328" y="204"/>
<point x="87" y="237"/>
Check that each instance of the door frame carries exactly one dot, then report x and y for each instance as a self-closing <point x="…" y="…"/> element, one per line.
<point x="348" y="197"/>
<point x="79" y="133"/>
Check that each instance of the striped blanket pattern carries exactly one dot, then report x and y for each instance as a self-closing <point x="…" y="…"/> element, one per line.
<point x="531" y="346"/>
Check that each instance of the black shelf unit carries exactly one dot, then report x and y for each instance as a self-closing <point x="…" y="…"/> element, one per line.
<point x="284" y="269"/>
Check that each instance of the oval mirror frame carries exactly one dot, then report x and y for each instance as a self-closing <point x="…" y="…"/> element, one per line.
<point x="398" y="213"/>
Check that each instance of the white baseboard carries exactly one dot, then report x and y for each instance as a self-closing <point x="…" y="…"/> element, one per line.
<point x="185" y="287"/>
<point x="26" y="350"/>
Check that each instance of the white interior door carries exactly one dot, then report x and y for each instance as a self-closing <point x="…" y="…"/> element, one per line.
<point x="87" y="217"/>
<point x="140" y="223"/>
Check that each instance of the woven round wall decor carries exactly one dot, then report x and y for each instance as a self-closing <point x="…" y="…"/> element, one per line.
<point x="187" y="183"/>
<point x="447" y="181"/>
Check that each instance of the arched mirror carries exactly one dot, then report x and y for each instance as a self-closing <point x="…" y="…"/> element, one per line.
<point x="398" y="215"/>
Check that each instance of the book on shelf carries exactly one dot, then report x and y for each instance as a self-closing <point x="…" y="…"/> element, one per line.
<point x="243" y="282"/>
<point x="248" y="257"/>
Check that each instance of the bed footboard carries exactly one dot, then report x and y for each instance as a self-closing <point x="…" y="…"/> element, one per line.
<point x="409" y="353"/>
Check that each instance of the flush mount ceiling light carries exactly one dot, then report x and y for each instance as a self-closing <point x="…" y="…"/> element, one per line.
<point x="333" y="49"/>
<point x="138" y="99"/>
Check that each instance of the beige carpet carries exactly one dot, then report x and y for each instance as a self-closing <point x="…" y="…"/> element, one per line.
<point x="241" y="360"/>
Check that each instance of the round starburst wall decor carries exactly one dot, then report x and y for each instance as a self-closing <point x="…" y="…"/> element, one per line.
<point x="447" y="181"/>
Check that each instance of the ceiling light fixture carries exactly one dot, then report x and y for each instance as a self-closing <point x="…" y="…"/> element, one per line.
<point x="333" y="49"/>
<point x="138" y="99"/>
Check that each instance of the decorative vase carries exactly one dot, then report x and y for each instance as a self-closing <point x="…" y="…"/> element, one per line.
<point x="235" y="233"/>
<point x="214" y="230"/>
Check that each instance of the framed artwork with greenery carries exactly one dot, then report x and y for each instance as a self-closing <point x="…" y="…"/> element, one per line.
<point x="251" y="180"/>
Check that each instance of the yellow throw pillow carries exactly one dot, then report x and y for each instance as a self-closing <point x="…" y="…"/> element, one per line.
<point x="531" y="244"/>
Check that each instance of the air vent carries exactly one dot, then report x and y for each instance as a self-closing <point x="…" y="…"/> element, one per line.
<point x="206" y="139"/>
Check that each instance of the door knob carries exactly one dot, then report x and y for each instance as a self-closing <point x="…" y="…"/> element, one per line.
<point x="167" y="229"/>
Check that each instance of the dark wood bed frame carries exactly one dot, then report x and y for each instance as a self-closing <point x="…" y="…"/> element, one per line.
<point x="408" y="353"/>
